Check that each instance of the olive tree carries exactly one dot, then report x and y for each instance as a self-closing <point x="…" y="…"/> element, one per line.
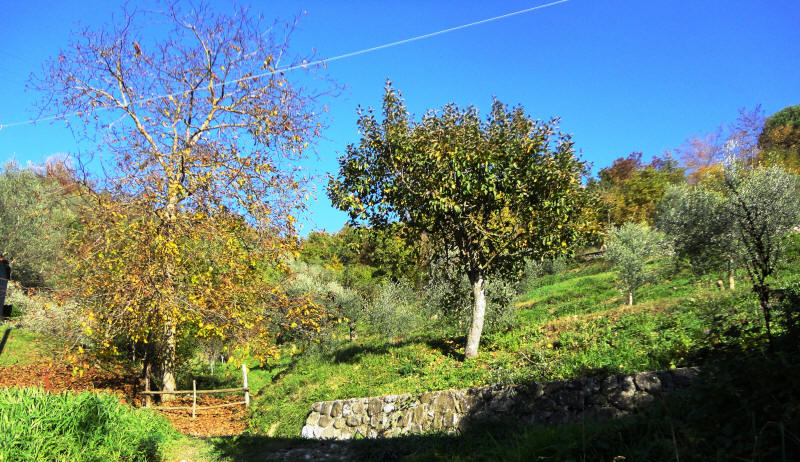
<point x="764" y="205"/>
<point x="346" y="302"/>
<point x="701" y="229"/>
<point x="490" y="191"/>
<point x="630" y="247"/>
<point x="336" y="291"/>
<point x="36" y="211"/>
<point x="392" y="311"/>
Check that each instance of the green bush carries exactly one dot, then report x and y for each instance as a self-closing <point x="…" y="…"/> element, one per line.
<point x="393" y="312"/>
<point x="534" y="270"/>
<point x="788" y="314"/>
<point x="40" y="426"/>
<point x="39" y="314"/>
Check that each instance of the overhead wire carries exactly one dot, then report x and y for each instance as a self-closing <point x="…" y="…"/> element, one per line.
<point x="305" y="65"/>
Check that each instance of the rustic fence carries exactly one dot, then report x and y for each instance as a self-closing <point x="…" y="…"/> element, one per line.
<point x="194" y="392"/>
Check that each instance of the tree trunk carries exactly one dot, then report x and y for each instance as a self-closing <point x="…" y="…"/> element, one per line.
<point x="170" y="329"/>
<point x="478" y="314"/>
<point x="731" y="281"/>
<point x="146" y="373"/>
<point x="763" y="297"/>
<point x="168" y="362"/>
<point x="630" y="298"/>
<point x="352" y="327"/>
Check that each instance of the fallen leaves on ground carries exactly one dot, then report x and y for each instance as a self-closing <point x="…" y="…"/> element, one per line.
<point x="58" y="377"/>
<point x="224" y="421"/>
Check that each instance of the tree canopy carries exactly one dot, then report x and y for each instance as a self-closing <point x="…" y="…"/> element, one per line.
<point x="490" y="191"/>
<point x="203" y="133"/>
<point x="630" y="189"/>
<point x="37" y="208"/>
<point x="763" y="205"/>
<point x="701" y="227"/>
<point x="779" y="140"/>
<point x="630" y="247"/>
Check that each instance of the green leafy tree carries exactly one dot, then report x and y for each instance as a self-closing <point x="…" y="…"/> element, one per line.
<point x="630" y="248"/>
<point x="764" y="205"/>
<point x="384" y="250"/>
<point x="630" y="190"/>
<point x="319" y="248"/>
<point x="779" y="140"/>
<point x="697" y="220"/>
<point x="489" y="191"/>
<point x="396" y="253"/>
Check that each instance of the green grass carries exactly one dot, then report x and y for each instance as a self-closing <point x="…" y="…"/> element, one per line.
<point x="570" y="324"/>
<point x="18" y="346"/>
<point x="743" y="407"/>
<point x="40" y="426"/>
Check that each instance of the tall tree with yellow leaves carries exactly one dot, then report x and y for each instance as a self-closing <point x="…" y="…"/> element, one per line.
<point x="204" y="133"/>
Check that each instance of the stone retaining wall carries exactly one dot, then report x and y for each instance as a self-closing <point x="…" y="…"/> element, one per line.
<point x="594" y="398"/>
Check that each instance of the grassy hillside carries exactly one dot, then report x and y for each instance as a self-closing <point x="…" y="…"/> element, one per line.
<point x="572" y="323"/>
<point x="569" y="324"/>
<point x="18" y="346"/>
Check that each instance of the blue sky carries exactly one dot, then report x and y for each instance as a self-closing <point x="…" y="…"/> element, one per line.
<point x="623" y="75"/>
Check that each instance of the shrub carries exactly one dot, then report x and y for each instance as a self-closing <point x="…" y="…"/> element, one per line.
<point x="37" y="314"/>
<point x="535" y="269"/>
<point x="788" y="314"/>
<point x="393" y="312"/>
<point x="40" y="426"/>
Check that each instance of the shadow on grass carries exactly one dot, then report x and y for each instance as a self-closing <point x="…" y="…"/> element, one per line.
<point x="353" y="353"/>
<point x="742" y="406"/>
<point x="451" y="346"/>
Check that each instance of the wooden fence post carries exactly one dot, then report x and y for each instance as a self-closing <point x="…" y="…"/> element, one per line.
<point x="246" y="390"/>
<point x="194" y="397"/>
<point x="147" y="397"/>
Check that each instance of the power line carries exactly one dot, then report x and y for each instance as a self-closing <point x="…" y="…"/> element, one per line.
<point x="316" y="62"/>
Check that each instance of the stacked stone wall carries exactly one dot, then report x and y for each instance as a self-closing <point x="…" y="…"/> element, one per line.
<point x="593" y="398"/>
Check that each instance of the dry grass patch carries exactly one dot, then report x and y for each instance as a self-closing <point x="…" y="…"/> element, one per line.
<point x="553" y="328"/>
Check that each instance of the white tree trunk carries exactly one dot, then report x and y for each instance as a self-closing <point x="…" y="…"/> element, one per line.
<point x="478" y="314"/>
<point x="630" y="298"/>
<point x="731" y="281"/>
